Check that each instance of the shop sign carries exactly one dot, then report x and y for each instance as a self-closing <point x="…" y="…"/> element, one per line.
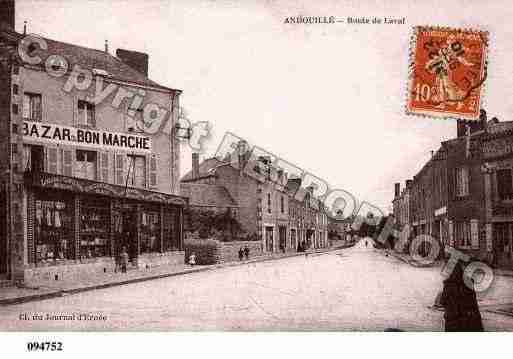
<point x="65" y="135"/>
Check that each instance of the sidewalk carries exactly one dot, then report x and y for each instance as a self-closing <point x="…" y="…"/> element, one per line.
<point x="17" y="295"/>
<point x="406" y="258"/>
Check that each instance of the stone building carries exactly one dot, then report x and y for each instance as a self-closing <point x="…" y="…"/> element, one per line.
<point x="463" y="194"/>
<point x="266" y="205"/>
<point x="82" y="176"/>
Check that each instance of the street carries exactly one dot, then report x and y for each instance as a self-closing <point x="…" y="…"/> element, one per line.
<point x="352" y="289"/>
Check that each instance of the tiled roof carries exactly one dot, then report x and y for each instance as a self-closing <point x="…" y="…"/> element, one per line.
<point x="207" y="195"/>
<point x="90" y="59"/>
<point x="206" y="169"/>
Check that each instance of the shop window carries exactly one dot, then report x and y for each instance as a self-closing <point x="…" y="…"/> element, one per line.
<point x="462" y="182"/>
<point x="137" y="176"/>
<point x="54" y="230"/>
<point x="32" y="106"/>
<point x="85" y="164"/>
<point x="94" y="229"/>
<point x="150" y="232"/>
<point x="86" y="113"/>
<point x="504" y="184"/>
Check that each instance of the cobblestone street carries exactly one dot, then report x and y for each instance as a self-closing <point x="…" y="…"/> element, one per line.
<point x="351" y="289"/>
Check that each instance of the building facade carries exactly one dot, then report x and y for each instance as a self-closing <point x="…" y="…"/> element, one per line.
<point x="267" y="204"/>
<point x="81" y="177"/>
<point x="462" y="195"/>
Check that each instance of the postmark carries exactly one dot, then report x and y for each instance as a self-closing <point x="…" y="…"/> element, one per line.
<point x="448" y="69"/>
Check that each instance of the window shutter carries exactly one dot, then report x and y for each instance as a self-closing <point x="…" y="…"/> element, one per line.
<point x="120" y="168"/>
<point x="489" y="244"/>
<point x="474" y="233"/>
<point x="51" y="160"/>
<point x="104" y="167"/>
<point x="67" y="162"/>
<point x="153" y="171"/>
<point x="451" y="234"/>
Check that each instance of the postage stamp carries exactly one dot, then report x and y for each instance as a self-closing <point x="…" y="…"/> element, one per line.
<point x="447" y="72"/>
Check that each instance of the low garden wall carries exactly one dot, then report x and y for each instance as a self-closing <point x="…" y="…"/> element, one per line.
<point x="210" y="251"/>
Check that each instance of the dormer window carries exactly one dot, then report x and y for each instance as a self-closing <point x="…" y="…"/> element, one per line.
<point x="135" y="120"/>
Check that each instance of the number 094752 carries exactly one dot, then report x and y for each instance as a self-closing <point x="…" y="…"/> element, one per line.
<point x="44" y="346"/>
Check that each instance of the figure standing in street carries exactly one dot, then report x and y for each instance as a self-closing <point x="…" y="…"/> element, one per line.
<point x="123" y="259"/>
<point x="246" y="252"/>
<point x="241" y="254"/>
<point x="460" y="303"/>
<point x="192" y="259"/>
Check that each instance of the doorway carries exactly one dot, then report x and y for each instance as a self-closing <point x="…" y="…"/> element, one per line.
<point x="269" y="240"/>
<point x="125" y="229"/>
<point x="282" y="233"/>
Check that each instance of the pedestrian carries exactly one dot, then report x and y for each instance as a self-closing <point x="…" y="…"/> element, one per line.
<point x="246" y="252"/>
<point x="459" y="301"/>
<point x="241" y="254"/>
<point x="192" y="259"/>
<point x="123" y="259"/>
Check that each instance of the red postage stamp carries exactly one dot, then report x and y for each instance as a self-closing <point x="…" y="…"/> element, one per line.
<point x="447" y="72"/>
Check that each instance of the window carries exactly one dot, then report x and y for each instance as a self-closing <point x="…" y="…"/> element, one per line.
<point x="282" y="204"/>
<point x="137" y="170"/>
<point x="15" y="89"/>
<point x="53" y="228"/>
<point x="462" y="182"/>
<point x="269" y="203"/>
<point x="85" y="164"/>
<point x="504" y="184"/>
<point x="135" y="119"/>
<point x="462" y="234"/>
<point x="86" y="113"/>
<point x="32" y="106"/>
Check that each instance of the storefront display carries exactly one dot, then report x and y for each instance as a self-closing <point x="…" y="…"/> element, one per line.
<point x="95" y="229"/>
<point x="53" y="229"/>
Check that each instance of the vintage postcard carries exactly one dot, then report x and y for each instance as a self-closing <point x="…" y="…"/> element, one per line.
<point x="278" y="166"/>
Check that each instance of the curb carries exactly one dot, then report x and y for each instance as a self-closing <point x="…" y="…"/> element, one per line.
<point x="64" y="292"/>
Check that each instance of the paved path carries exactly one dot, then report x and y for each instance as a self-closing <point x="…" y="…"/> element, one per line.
<point x="351" y="289"/>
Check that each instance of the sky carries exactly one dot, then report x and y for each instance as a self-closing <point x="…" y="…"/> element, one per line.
<point x="329" y="98"/>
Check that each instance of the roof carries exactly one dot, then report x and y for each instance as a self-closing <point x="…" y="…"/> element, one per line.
<point x="90" y="59"/>
<point x="207" y="195"/>
<point x="206" y="169"/>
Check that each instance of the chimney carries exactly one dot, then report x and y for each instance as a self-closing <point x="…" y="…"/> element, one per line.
<point x="7" y="13"/>
<point x="136" y="60"/>
<point x="397" y="189"/>
<point x="107" y="46"/>
<point x="195" y="165"/>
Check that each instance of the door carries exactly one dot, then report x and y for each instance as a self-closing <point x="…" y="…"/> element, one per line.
<point x="283" y="237"/>
<point x="269" y="240"/>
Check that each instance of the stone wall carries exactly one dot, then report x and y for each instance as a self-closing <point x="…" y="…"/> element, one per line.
<point x="229" y="251"/>
<point x="209" y="251"/>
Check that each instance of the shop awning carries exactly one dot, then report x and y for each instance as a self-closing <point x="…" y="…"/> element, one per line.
<point x="80" y="185"/>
